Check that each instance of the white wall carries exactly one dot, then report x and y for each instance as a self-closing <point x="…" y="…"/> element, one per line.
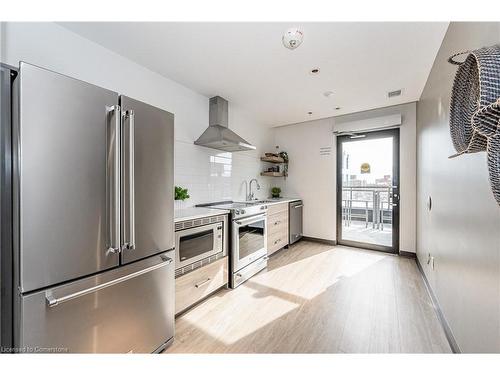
<point x="2" y="42"/>
<point x="462" y="230"/>
<point x="53" y="47"/>
<point x="313" y="176"/>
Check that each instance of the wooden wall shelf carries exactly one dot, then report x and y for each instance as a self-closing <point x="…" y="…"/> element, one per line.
<point x="272" y="174"/>
<point x="272" y="159"/>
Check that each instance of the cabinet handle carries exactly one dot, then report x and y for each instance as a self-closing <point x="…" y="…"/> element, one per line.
<point x="202" y="283"/>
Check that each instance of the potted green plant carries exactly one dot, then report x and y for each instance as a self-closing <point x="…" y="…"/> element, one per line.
<point x="284" y="156"/>
<point x="180" y="195"/>
<point x="275" y="192"/>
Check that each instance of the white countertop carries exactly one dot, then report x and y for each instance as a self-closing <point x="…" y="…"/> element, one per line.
<point x="281" y="200"/>
<point x="199" y="212"/>
<point x="196" y="213"/>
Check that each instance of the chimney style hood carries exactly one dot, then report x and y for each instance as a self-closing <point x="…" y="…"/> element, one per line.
<point x="218" y="135"/>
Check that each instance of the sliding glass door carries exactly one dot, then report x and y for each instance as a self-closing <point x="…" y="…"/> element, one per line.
<point x="368" y="190"/>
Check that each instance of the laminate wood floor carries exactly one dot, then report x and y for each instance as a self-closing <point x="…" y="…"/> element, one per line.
<point x="316" y="298"/>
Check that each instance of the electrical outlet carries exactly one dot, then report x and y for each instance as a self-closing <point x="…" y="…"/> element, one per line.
<point x="432" y="263"/>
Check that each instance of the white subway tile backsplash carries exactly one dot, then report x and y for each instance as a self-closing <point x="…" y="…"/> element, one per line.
<point x="212" y="175"/>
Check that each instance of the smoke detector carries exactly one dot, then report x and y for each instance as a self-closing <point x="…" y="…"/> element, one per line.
<point x="292" y="38"/>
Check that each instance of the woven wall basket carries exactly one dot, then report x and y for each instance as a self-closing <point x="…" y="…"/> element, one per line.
<point x="476" y="86"/>
<point x="494" y="165"/>
<point x="475" y="108"/>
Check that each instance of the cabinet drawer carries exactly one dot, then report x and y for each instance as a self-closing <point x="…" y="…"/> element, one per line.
<point x="196" y="285"/>
<point x="277" y="223"/>
<point x="276" y="241"/>
<point x="277" y="207"/>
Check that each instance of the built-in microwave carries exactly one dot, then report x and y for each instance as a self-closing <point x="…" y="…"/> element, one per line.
<point x="198" y="243"/>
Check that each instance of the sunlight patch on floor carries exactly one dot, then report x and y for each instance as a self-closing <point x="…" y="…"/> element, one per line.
<point x="359" y="310"/>
<point x="327" y="268"/>
<point x="272" y="299"/>
<point x="265" y="309"/>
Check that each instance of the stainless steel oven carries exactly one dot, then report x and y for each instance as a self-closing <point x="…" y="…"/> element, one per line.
<point x="249" y="243"/>
<point x="248" y="254"/>
<point x="196" y="243"/>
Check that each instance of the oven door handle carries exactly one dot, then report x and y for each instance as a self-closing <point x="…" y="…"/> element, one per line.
<point x="250" y="220"/>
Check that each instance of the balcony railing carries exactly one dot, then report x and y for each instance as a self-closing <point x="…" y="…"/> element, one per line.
<point x="369" y="204"/>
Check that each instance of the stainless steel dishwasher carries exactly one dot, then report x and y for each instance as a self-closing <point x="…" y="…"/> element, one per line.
<point x="295" y="214"/>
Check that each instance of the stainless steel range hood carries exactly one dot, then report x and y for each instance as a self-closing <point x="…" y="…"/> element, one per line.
<point x="218" y="135"/>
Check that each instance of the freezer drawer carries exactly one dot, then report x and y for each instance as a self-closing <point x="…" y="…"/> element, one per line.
<point x="130" y="309"/>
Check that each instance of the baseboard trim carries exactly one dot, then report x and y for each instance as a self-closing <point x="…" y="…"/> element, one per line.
<point x="444" y="323"/>
<point x="320" y="240"/>
<point x="408" y="254"/>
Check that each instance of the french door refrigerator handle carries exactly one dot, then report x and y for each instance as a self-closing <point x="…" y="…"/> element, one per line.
<point x="113" y="179"/>
<point x="53" y="301"/>
<point x="128" y="195"/>
<point x="131" y="165"/>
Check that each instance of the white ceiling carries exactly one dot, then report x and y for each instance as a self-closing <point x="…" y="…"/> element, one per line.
<point x="247" y="64"/>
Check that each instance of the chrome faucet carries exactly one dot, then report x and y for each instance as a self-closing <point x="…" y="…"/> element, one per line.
<point x="251" y="195"/>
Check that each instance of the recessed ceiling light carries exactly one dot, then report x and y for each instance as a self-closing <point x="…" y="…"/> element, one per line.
<point x="328" y="94"/>
<point x="314" y="71"/>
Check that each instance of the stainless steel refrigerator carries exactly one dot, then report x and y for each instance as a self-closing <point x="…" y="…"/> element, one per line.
<point x="93" y="231"/>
